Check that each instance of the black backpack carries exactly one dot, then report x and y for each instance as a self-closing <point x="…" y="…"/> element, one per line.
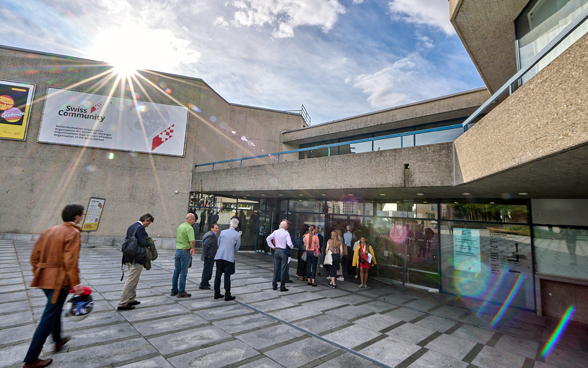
<point x="132" y="251"/>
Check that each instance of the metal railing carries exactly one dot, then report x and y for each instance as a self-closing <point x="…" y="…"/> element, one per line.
<point x="508" y="86"/>
<point x="333" y="145"/>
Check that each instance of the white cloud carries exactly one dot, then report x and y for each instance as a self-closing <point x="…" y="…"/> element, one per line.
<point x="285" y="15"/>
<point x="408" y="80"/>
<point x="221" y="22"/>
<point x="357" y="1"/>
<point x="426" y="41"/>
<point x="432" y="13"/>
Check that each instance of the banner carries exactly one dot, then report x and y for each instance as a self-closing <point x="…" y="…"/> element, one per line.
<point x="15" y="106"/>
<point x="93" y="214"/>
<point x="466" y="250"/>
<point x="83" y="119"/>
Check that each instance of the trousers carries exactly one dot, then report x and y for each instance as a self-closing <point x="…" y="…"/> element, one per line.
<point x="228" y="268"/>
<point x="130" y="290"/>
<point x="207" y="272"/>
<point x="280" y="266"/>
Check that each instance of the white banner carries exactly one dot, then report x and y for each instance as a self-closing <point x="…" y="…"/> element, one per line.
<point x="83" y="119"/>
<point x="466" y="250"/>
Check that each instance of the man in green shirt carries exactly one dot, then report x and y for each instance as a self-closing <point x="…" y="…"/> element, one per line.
<point x="185" y="244"/>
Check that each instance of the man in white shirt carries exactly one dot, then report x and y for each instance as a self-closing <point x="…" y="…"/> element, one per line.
<point x="281" y="238"/>
<point x="347" y="239"/>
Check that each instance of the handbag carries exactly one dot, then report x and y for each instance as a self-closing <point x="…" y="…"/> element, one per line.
<point x="328" y="258"/>
<point x="303" y="257"/>
<point x="361" y="260"/>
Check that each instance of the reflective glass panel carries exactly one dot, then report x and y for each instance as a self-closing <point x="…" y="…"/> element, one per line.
<point x="485" y="212"/>
<point x="386" y="144"/>
<point x="306" y="205"/>
<point x="438" y="137"/>
<point x="561" y="251"/>
<point x="487" y="261"/>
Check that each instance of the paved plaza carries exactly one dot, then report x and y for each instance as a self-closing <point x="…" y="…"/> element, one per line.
<point x="381" y="326"/>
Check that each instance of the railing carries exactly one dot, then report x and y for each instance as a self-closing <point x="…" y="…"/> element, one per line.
<point x="508" y="86"/>
<point x="305" y="115"/>
<point x="333" y="145"/>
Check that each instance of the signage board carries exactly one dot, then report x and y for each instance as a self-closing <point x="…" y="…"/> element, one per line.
<point x="93" y="214"/>
<point x="15" y="108"/>
<point x="90" y="120"/>
<point x="466" y="250"/>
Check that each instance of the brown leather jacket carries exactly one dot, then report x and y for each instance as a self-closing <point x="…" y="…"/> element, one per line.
<point x="55" y="258"/>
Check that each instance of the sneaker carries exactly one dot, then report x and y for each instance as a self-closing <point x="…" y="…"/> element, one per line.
<point x="184" y="295"/>
<point x="361" y="285"/>
<point x="340" y="278"/>
<point x="356" y="277"/>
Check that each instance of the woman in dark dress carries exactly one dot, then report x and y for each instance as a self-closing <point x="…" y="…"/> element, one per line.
<point x="301" y="269"/>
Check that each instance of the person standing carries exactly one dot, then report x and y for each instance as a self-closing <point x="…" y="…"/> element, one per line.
<point x="202" y="219"/>
<point x="55" y="267"/>
<point x="336" y="247"/>
<point x="321" y="259"/>
<point x="127" y="299"/>
<point x="282" y="239"/>
<point x="301" y="268"/>
<point x="363" y="261"/>
<point x="185" y="244"/>
<point x="209" y="248"/>
<point x="229" y="242"/>
<point x="312" y="246"/>
<point x="348" y="241"/>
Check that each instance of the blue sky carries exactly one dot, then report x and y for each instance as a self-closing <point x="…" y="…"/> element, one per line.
<point x="337" y="57"/>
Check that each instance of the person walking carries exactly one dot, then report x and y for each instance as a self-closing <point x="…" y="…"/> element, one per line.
<point x="185" y="244"/>
<point x="361" y="259"/>
<point x="127" y="299"/>
<point x="311" y="242"/>
<point x="202" y="220"/>
<point x="229" y="242"/>
<point x="282" y="240"/>
<point x="347" y="242"/>
<point x="301" y="268"/>
<point x="55" y="268"/>
<point x="209" y="248"/>
<point x="335" y="246"/>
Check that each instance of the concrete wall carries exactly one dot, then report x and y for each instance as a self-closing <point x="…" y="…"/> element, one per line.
<point x="546" y="116"/>
<point x="455" y="106"/>
<point x="38" y="180"/>
<point x="430" y="165"/>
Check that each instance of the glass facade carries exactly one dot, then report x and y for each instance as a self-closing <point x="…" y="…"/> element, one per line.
<point x="541" y="22"/>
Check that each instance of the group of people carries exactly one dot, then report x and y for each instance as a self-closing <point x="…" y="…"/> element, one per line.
<point x="56" y="253"/>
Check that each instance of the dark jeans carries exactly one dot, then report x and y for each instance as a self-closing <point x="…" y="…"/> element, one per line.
<point x="344" y="265"/>
<point x="335" y="265"/>
<point x="207" y="272"/>
<point x="50" y="325"/>
<point x="182" y="258"/>
<point x="311" y="262"/>
<point x="228" y="268"/>
<point x="201" y="226"/>
<point x="280" y="265"/>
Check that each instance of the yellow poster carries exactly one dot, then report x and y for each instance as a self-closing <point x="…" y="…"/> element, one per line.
<point x="15" y="106"/>
<point x="93" y="214"/>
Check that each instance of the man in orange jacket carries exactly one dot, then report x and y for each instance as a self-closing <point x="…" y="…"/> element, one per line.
<point x="55" y="268"/>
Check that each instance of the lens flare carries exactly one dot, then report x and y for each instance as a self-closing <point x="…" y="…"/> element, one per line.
<point x="234" y="132"/>
<point x="194" y="108"/>
<point x="110" y="156"/>
<point x="213" y="119"/>
<point x="168" y="91"/>
<point x="398" y="233"/>
<point x="244" y="139"/>
<point x="558" y="332"/>
<point x="469" y="283"/>
<point x="506" y="196"/>
<point x="91" y="168"/>
<point x="513" y="292"/>
<point x="133" y="154"/>
<point x="490" y="295"/>
<point x="162" y="85"/>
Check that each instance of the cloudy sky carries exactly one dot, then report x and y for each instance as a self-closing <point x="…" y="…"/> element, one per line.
<point x="337" y="57"/>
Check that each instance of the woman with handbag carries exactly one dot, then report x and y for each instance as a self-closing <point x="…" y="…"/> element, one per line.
<point x="334" y="246"/>
<point x="313" y="252"/>
<point x="363" y="257"/>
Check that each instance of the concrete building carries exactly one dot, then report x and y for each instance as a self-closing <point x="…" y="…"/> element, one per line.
<point x="480" y="193"/>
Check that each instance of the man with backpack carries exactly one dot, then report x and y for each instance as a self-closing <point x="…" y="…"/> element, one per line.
<point x="135" y="266"/>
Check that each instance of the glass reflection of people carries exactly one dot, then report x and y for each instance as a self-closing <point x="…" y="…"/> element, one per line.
<point x="262" y="247"/>
<point x="361" y="260"/>
<point x="299" y="241"/>
<point x="429" y="237"/>
<point x="421" y="242"/>
<point x="570" y="235"/>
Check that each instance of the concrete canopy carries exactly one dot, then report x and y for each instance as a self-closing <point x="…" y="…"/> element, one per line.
<point x="487" y="30"/>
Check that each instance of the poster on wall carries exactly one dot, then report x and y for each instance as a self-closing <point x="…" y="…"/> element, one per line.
<point x="466" y="250"/>
<point x="83" y="119"/>
<point x="15" y="106"/>
<point x="93" y="214"/>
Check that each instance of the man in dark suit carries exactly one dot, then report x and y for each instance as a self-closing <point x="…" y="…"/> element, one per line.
<point x="209" y="248"/>
<point x="127" y="299"/>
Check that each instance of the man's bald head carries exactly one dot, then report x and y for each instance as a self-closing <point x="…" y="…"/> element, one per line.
<point x="190" y="218"/>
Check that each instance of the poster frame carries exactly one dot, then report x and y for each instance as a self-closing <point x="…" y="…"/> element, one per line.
<point x="30" y="103"/>
<point x="99" y="217"/>
<point x="111" y="149"/>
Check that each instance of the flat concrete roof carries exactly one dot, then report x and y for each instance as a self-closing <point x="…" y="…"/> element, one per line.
<point x="441" y="109"/>
<point x="487" y="30"/>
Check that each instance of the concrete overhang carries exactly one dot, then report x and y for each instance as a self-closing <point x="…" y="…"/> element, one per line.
<point x="443" y="110"/>
<point x="487" y="30"/>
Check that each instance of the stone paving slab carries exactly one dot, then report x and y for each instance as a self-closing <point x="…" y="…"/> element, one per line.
<point x="383" y="325"/>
